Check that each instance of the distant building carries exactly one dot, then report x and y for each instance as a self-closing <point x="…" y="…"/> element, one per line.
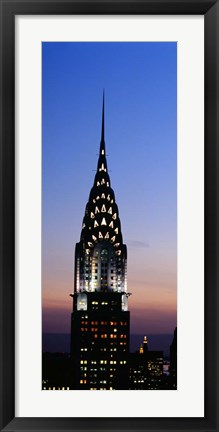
<point x="56" y="371"/>
<point x="146" y="369"/>
<point x="100" y="317"/>
<point x="173" y="361"/>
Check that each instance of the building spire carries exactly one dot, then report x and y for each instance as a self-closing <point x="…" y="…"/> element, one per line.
<point x="102" y="164"/>
<point x="102" y="142"/>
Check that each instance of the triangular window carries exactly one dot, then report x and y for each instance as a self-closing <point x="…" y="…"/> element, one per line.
<point x="103" y="210"/>
<point x="102" y="168"/>
<point x="107" y="235"/>
<point x="96" y="224"/>
<point x="103" y="221"/>
<point x="100" y="235"/>
<point x="97" y="210"/>
<point x="111" y="224"/>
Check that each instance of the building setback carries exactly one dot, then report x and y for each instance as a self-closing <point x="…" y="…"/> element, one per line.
<point x="100" y="318"/>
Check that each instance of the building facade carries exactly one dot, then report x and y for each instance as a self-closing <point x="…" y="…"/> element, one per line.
<point x="173" y="361"/>
<point x="146" y="369"/>
<point x="100" y="317"/>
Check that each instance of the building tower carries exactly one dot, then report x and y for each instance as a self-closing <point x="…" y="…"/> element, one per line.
<point x="173" y="361"/>
<point x="100" y="317"/>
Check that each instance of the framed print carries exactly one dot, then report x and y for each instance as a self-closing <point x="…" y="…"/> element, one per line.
<point x="109" y="278"/>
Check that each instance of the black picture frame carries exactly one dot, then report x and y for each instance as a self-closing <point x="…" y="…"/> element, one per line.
<point x="9" y="9"/>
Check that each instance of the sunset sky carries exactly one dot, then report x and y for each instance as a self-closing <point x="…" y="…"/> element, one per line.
<point x="140" y="82"/>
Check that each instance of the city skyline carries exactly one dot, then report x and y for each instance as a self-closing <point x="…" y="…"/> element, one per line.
<point x="144" y="183"/>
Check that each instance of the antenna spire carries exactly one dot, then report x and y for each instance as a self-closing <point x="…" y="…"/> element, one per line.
<point x="102" y="135"/>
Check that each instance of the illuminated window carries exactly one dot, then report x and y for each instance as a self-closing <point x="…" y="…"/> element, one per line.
<point x="100" y="234"/>
<point x="107" y="184"/>
<point x="108" y="197"/>
<point x="111" y="224"/>
<point x="102" y="152"/>
<point x="113" y="239"/>
<point x="117" y="244"/>
<point x="103" y="196"/>
<point x="111" y="201"/>
<point x="94" y="200"/>
<point x="83" y="226"/>
<point x="102" y="168"/>
<point x="98" y="183"/>
<point x="103" y="210"/>
<point x="103" y="221"/>
<point x="97" y="210"/>
<point x="103" y="181"/>
<point x="98" y="197"/>
<point x="92" y="215"/>
<point x="107" y="235"/>
<point x="95" y="224"/>
<point x="110" y="210"/>
<point x="114" y="216"/>
<point x="116" y="230"/>
<point x="94" y="238"/>
<point x="90" y="244"/>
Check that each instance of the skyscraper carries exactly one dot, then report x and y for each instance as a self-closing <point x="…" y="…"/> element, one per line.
<point x="146" y="368"/>
<point x="173" y="360"/>
<point x="100" y="317"/>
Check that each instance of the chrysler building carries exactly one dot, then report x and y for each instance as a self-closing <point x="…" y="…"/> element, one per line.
<point x="100" y="317"/>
